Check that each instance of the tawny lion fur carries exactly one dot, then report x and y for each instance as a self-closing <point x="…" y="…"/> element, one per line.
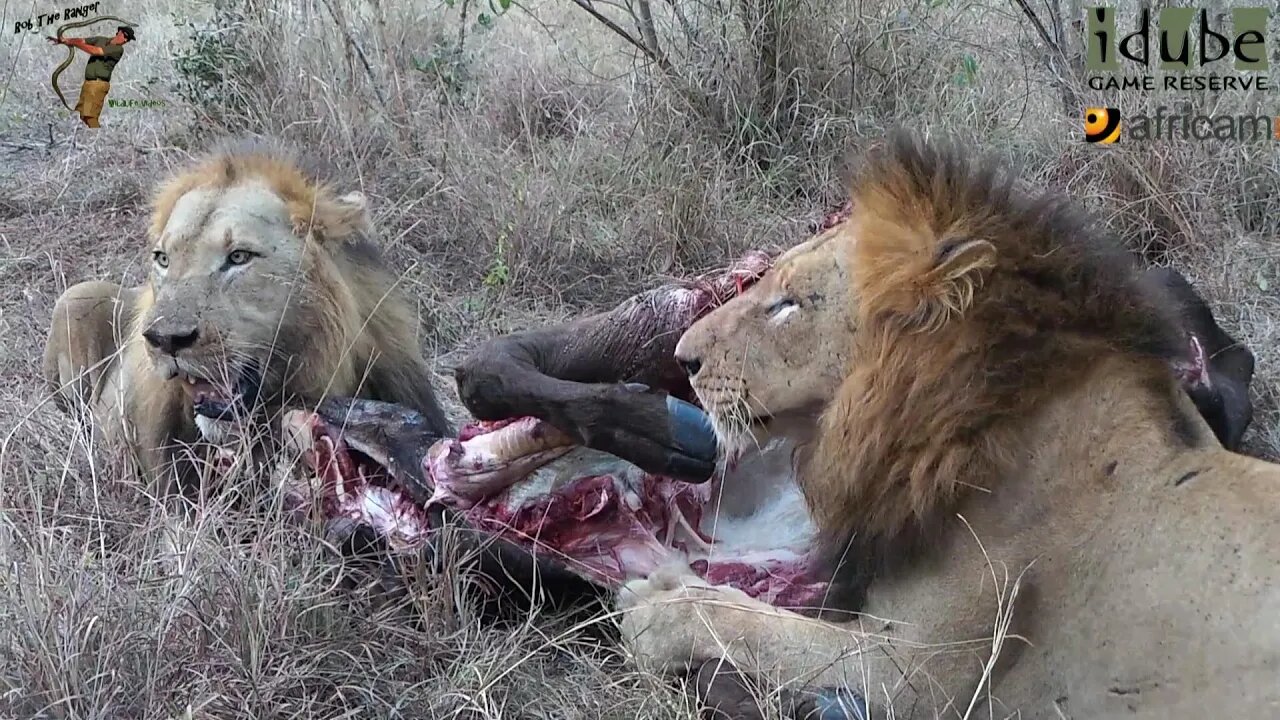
<point x="1035" y="518"/>
<point x="315" y="308"/>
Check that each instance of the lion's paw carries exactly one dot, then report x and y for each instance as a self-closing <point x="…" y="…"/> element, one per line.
<point x="673" y="617"/>
<point x="661" y="583"/>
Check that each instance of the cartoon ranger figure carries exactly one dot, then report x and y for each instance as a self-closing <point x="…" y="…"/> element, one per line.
<point x="104" y="54"/>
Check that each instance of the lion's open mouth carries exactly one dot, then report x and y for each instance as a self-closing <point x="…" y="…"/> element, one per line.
<point x="207" y="396"/>
<point x="226" y="397"/>
<point x="521" y="480"/>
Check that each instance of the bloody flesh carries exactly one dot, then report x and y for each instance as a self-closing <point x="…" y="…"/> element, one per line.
<point x="606" y="520"/>
<point x="599" y="516"/>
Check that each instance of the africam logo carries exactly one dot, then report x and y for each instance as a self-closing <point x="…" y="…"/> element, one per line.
<point x="1184" y="38"/>
<point x="1102" y="126"/>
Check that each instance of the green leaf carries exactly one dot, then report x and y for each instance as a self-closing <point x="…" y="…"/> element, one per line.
<point x="506" y="4"/>
<point x="967" y="75"/>
<point x="1262" y="283"/>
<point x="484" y="20"/>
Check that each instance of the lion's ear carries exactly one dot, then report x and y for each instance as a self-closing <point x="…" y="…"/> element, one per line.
<point x="960" y="257"/>
<point x="947" y="288"/>
<point x="335" y="218"/>
<point x="355" y="200"/>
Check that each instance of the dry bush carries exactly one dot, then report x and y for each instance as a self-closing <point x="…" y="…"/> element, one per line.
<point x="520" y="169"/>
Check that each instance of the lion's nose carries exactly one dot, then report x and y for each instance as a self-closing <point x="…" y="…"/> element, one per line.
<point x="691" y="365"/>
<point x="171" y="343"/>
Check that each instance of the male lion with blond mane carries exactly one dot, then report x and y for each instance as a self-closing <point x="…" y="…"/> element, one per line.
<point x="264" y="289"/>
<point x="1004" y="475"/>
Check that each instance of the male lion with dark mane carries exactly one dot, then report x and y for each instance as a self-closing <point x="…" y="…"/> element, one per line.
<point x="265" y="289"/>
<point x="963" y="416"/>
<point x="1006" y="480"/>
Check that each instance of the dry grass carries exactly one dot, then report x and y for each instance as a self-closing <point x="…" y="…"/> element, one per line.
<point x="519" y="174"/>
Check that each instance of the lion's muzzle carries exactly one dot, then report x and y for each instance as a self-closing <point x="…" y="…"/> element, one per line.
<point x="170" y="340"/>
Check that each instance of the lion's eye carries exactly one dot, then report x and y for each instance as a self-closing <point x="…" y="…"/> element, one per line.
<point x="161" y="258"/>
<point x="239" y="257"/>
<point x="782" y="308"/>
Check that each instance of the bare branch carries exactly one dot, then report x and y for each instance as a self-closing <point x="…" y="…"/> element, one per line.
<point x="1065" y="66"/>
<point x="1039" y="26"/>
<point x="650" y="53"/>
<point x="644" y="20"/>
<point x="341" y="24"/>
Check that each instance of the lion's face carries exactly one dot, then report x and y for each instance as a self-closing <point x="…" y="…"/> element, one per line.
<point x="778" y="351"/>
<point x="233" y="287"/>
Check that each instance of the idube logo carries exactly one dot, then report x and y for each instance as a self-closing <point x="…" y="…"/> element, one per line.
<point x="1182" y="41"/>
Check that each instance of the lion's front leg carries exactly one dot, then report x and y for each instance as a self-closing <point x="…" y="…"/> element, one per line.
<point x="673" y="621"/>
<point x="81" y="365"/>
